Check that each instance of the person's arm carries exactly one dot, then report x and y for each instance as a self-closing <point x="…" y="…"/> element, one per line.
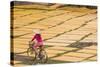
<point x="33" y="38"/>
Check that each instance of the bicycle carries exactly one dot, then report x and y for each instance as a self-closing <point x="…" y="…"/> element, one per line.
<point x="42" y="55"/>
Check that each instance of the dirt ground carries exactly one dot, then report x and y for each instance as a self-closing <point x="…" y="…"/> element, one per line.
<point x="69" y="33"/>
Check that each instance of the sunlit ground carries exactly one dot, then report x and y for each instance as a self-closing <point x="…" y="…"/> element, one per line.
<point x="69" y="33"/>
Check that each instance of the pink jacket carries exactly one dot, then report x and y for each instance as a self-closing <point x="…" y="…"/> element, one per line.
<point x="37" y="37"/>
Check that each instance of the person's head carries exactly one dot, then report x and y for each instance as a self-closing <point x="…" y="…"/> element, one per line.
<point x="36" y="31"/>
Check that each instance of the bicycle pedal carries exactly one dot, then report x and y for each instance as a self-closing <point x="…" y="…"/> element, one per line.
<point x="37" y="58"/>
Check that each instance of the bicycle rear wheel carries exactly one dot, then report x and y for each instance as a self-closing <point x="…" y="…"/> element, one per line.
<point x="31" y="53"/>
<point x="43" y="56"/>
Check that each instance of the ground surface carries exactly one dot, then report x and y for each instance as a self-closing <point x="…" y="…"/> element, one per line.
<point x="69" y="33"/>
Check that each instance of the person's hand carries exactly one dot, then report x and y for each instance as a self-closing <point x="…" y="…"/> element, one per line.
<point x="30" y="41"/>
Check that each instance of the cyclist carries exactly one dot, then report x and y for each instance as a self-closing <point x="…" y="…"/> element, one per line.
<point x="38" y="41"/>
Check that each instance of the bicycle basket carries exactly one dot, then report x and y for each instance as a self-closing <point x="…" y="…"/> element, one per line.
<point x="31" y="44"/>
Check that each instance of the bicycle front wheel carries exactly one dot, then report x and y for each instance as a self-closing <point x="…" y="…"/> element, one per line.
<point x="31" y="53"/>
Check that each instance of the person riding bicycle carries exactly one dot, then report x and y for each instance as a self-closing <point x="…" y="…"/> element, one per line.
<point x="38" y="41"/>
